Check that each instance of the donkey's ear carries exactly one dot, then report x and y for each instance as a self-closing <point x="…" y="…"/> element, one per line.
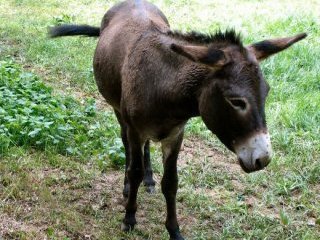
<point x="264" y="49"/>
<point x="206" y="55"/>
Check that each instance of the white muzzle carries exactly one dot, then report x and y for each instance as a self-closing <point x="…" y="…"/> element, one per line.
<point x="255" y="152"/>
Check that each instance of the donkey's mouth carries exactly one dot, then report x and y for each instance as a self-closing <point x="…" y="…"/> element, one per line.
<point x="248" y="170"/>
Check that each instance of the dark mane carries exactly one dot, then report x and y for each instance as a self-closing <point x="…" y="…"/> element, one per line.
<point x="229" y="36"/>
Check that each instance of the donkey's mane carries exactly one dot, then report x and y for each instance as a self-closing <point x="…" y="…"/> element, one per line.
<point x="228" y="36"/>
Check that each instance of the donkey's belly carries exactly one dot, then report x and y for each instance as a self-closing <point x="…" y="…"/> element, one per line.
<point x="158" y="132"/>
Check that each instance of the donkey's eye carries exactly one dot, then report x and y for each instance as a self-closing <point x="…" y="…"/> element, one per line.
<point x="238" y="103"/>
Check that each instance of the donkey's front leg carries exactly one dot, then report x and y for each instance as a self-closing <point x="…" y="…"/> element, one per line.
<point x="135" y="174"/>
<point x="169" y="183"/>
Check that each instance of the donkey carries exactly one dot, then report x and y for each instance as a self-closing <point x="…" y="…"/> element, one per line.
<point x="157" y="79"/>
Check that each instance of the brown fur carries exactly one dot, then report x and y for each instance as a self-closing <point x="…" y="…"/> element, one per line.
<point x="157" y="79"/>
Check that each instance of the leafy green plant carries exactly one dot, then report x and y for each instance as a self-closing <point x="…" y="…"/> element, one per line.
<point x="31" y="116"/>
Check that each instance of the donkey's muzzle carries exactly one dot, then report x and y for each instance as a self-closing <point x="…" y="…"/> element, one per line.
<point x="255" y="152"/>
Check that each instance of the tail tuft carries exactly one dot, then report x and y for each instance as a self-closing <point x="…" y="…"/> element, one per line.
<point x="74" y="30"/>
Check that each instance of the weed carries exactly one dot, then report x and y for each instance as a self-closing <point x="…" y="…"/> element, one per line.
<point x="31" y="116"/>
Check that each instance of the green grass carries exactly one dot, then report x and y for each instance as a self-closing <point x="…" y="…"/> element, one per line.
<point x="60" y="149"/>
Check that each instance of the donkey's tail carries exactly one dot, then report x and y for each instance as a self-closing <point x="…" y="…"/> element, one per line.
<point x="74" y="30"/>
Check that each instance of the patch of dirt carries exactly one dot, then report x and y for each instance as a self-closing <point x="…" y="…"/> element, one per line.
<point x="66" y="195"/>
<point x="9" y="227"/>
<point x="112" y="183"/>
<point x="101" y="103"/>
<point x="219" y="195"/>
<point x="269" y="212"/>
<point x="196" y="149"/>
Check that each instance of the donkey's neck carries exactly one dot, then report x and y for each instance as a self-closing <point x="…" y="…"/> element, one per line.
<point x="183" y="88"/>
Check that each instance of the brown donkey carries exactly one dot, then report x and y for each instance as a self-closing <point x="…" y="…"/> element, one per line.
<point x="156" y="80"/>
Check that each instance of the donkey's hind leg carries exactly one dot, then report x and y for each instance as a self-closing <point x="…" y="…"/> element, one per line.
<point x="124" y="138"/>
<point x="135" y="173"/>
<point x="148" y="179"/>
<point x="148" y="173"/>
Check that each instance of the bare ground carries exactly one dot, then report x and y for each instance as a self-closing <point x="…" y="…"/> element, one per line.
<point x="55" y="198"/>
<point x="55" y="190"/>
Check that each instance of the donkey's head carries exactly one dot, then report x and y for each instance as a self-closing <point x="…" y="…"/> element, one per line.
<point x="232" y="98"/>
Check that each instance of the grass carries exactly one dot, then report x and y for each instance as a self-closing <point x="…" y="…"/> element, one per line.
<point x="71" y="189"/>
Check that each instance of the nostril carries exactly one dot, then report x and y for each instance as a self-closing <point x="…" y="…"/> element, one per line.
<point x="258" y="163"/>
<point x="262" y="162"/>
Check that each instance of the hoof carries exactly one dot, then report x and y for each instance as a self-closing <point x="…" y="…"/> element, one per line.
<point x="177" y="238"/>
<point x="175" y="235"/>
<point x="125" y="227"/>
<point x="150" y="189"/>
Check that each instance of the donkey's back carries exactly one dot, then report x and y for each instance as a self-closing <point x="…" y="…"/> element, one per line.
<point x="121" y="28"/>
